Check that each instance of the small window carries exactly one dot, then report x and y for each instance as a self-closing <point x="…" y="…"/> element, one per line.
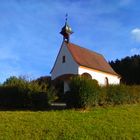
<point x="63" y="59"/>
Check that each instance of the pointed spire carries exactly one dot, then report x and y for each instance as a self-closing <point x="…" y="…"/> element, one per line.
<point x="66" y="31"/>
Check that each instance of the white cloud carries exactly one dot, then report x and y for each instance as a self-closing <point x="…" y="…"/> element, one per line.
<point x="136" y="34"/>
<point x="135" y="51"/>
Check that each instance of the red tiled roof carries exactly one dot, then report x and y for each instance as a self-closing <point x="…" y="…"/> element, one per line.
<point x="90" y="59"/>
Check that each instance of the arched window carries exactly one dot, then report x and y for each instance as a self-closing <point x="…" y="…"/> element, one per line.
<point x="106" y="81"/>
<point x="87" y="75"/>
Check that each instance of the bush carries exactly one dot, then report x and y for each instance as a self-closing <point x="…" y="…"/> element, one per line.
<point x="38" y="95"/>
<point x="102" y="96"/>
<point x="83" y="93"/>
<point x="39" y="100"/>
<point x="20" y="93"/>
<point x="117" y="94"/>
<point x="52" y="94"/>
<point x="86" y="93"/>
<point x="13" y="96"/>
<point x="14" y="81"/>
<point x="134" y="94"/>
<point x="59" y="86"/>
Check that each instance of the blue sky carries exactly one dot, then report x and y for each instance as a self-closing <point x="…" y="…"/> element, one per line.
<point x="30" y="39"/>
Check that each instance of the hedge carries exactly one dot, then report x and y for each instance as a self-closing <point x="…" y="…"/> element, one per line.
<point x="83" y="92"/>
<point x="20" y="93"/>
<point x="86" y="92"/>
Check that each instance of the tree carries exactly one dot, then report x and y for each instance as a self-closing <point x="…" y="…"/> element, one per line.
<point x="128" y="68"/>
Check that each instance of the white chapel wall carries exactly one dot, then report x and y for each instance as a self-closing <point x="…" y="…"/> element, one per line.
<point x="69" y="67"/>
<point x="100" y="76"/>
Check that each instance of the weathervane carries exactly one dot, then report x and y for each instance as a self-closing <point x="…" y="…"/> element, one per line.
<point x="66" y="17"/>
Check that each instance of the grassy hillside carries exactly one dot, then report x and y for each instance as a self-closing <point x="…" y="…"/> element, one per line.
<point x="120" y="122"/>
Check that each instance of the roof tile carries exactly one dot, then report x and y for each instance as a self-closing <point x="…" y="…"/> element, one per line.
<point x="90" y="59"/>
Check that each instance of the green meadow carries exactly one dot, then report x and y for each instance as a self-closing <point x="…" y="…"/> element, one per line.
<point x="109" y="123"/>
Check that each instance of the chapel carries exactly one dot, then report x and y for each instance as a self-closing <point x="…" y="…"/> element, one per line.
<point x="73" y="60"/>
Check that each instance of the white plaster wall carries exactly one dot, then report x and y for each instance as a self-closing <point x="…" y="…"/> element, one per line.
<point x="69" y="67"/>
<point x="100" y="76"/>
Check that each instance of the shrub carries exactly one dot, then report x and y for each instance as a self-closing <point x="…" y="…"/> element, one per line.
<point x="13" y="96"/>
<point x="15" y="93"/>
<point x="83" y="92"/>
<point x="52" y="94"/>
<point x="43" y="80"/>
<point x="20" y="93"/>
<point x="38" y="95"/>
<point x="102" y="96"/>
<point x="59" y="86"/>
<point x="39" y="100"/>
<point x="134" y="94"/>
<point x="117" y="94"/>
<point x="14" y="81"/>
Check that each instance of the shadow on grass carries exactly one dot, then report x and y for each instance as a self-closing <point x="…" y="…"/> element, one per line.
<point x="53" y="106"/>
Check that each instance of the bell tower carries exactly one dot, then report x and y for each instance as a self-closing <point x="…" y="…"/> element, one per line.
<point x="66" y="31"/>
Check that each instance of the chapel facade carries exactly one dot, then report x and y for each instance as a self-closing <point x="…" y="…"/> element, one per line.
<point x="73" y="60"/>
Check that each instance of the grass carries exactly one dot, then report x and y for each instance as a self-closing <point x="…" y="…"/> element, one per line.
<point x="111" y="123"/>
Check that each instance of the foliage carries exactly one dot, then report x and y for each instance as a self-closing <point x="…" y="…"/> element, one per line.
<point x="52" y="94"/>
<point x="102" y="97"/>
<point x="134" y="94"/>
<point x="83" y="92"/>
<point x="117" y="94"/>
<point x="38" y="95"/>
<point x="128" y="68"/>
<point x="13" y="96"/>
<point x="14" y="81"/>
<point x="20" y="93"/>
<point x="86" y="93"/>
<point x="17" y="92"/>
<point x="110" y="123"/>
<point x="59" y="86"/>
<point x="44" y="80"/>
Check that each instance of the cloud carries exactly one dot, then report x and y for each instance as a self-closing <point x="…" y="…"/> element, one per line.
<point x="136" y="34"/>
<point x="135" y="51"/>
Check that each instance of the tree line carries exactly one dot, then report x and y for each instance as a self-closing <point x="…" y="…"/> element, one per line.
<point x="128" y="68"/>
